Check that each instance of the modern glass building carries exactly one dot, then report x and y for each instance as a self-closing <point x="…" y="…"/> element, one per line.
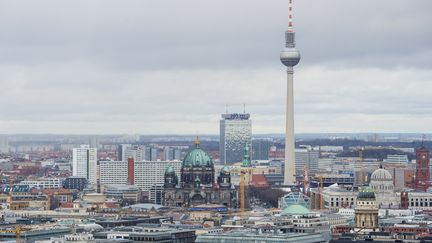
<point x="235" y="134"/>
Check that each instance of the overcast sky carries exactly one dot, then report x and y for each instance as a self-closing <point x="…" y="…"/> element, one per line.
<point x="164" y="67"/>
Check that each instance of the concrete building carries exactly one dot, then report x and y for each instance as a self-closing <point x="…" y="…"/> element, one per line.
<point x="306" y="159"/>
<point x="257" y="237"/>
<point x="235" y="134"/>
<point x="396" y="158"/>
<point x="156" y="193"/>
<point x="128" y="193"/>
<point x="126" y="151"/>
<point x="332" y="198"/>
<point x="145" y="173"/>
<point x="75" y="182"/>
<point x="84" y="163"/>
<point x="44" y="183"/>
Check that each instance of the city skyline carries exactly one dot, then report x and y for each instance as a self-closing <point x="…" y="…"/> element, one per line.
<point x="107" y="71"/>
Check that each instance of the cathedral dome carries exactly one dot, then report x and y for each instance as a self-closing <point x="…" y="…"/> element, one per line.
<point x="169" y="170"/>
<point x="225" y="170"/>
<point x="381" y="175"/>
<point x="382" y="182"/>
<point x="197" y="158"/>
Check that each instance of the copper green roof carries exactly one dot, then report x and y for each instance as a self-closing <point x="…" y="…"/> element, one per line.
<point x="169" y="169"/>
<point x="246" y="157"/>
<point x="225" y="169"/>
<point x="197" y="158"/>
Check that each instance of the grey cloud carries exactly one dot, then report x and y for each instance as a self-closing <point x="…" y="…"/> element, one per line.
<point x="170" y="67"/>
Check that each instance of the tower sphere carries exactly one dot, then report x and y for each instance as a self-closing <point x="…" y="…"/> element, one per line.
<point x="290" y="57"/>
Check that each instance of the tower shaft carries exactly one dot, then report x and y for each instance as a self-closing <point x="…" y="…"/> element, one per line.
<point x="289" y="178"/>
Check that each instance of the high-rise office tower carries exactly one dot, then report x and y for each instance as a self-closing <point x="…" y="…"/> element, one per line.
<point x="290" y="57"/>
<point x="154" y="154"/>
<point x="127" y="151"/>
<point x="171" y="154"/>
<point x="84" y="162"/>
<point x="306" y="159"/>
<point x="235" y="134"/>
<point x="121" y="151"/>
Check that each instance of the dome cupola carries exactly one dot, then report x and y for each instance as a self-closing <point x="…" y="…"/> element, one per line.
<point x="197" y="157"/>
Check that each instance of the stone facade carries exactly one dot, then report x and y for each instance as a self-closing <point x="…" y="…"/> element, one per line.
<point x="197" y="183"/>
<point x="366" y="212"/>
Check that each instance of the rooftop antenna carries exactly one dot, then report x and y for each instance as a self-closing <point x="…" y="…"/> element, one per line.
<point x="423" y="139"/>
<point x="244" y="108"/>
<point x="226" y="108"/>
<point x="290" y="16"/>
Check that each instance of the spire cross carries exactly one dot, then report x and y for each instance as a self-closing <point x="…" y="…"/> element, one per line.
<point x="197" y="141"/>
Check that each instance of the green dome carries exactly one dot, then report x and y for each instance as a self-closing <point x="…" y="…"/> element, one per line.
<point x="225" y="170"/>
<point x="169" y="169"/>
<point x="197" y="158"/>
<point x="295" y="209"/>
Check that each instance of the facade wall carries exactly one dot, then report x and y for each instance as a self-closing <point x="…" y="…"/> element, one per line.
<point x="84" y="163"/>
<point x="146" y="173"/>
<point x="235" y="134"/>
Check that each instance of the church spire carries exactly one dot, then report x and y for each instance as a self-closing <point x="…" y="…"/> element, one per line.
<point x="197" y="141"/>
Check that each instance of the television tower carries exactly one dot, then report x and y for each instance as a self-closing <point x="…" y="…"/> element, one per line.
<point x="290" y="57"/>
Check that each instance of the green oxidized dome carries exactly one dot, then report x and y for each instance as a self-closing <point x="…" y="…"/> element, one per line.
<point x="197" y="158"/>
<point x="225" y="170"/>
<point x="169" y="169"/>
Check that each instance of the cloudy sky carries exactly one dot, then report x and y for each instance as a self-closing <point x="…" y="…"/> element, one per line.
<point x="163" y="67"/>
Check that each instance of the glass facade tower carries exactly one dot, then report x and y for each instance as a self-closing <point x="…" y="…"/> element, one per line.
<point x="235" y="134"/>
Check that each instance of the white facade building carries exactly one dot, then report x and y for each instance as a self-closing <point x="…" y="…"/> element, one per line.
<point x="44" y="183"/>
<point x="146" y="173"/>
<point x="396" y="158"/>
<point x="84" y="163"/>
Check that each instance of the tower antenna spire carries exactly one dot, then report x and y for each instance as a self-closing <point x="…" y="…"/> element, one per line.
<point x="290" y="16"/>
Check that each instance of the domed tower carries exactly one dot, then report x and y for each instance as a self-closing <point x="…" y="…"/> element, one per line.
<point x="382" y="184"/>
<point x="382" y="181"/>
<point x="170" y="184"/>
<point x="170" y="178"/>
<point x="290" y="57"/>
<point x="246" y="157"/>
<point x="224" y="178"/>
<point x="366" y="211"/>
<point x="197" y="165"/>
<point x="197" y="185"/>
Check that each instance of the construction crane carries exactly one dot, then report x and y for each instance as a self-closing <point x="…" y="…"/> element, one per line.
<point x="242" y="191"/>
<point x="244" y="181"/>
<point x="320" y="188"/>
<point x="360" y="152"/>
<point x="305" y="181"/>
<point x="17" y="232"/>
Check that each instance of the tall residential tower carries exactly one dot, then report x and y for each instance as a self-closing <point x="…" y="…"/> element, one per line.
<point x="235" y="135"/>
<point x="290" y="57"/>
<point x="84" y="163"/>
